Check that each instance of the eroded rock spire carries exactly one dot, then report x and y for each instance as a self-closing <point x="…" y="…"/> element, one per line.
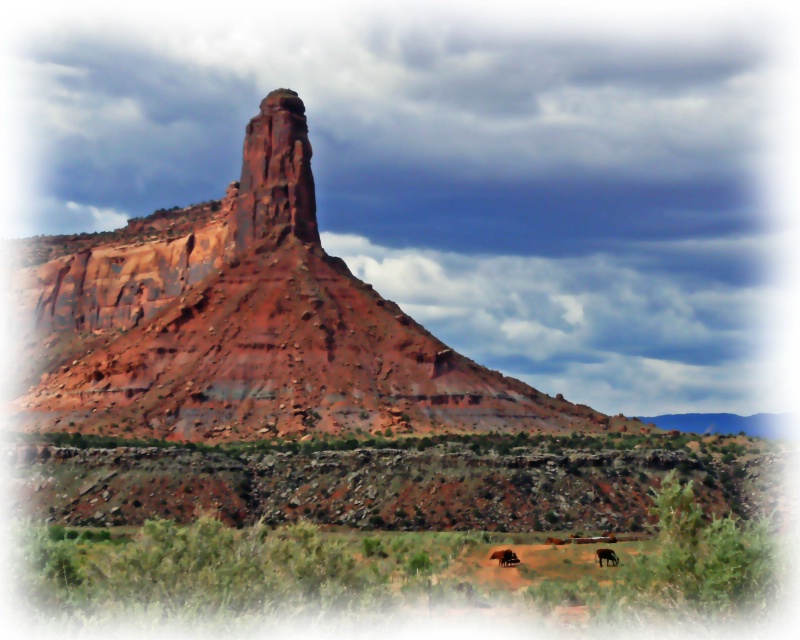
<point x="276" y="192"/>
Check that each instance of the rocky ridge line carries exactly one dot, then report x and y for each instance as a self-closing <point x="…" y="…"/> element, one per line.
<point x="449" y="488"/>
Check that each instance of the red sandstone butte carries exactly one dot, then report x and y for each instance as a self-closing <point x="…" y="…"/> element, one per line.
<point x="276" y="196"/>
<point x="231" y="322"/>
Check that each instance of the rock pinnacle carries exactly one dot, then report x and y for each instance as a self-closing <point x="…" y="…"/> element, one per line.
<point x="276" y="192"/>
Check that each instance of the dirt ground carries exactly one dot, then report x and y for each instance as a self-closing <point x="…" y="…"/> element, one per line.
<point x="539" y="562"/>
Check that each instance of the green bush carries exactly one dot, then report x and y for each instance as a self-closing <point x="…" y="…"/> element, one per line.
<point x="56" y="532"/>
<point x="717" y="569"/>
<point x="420" y="562"/>
<point x="204" y="569"/>
<point x="50" y="575"/>
<point x="373" y="547"/>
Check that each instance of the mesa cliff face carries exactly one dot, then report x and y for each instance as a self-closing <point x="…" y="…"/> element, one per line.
<point x="242" y="327"/>
<point x="119" y="285"/>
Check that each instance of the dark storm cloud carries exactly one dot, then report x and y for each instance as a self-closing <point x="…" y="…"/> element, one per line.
<point x="493" y="73"/>
<point x="708" y="347"/>
<point x="186" y="145"/>
<point x="740" y="261"/>
<point x="157" y="133"/>
<point x="549" y="218"/>
<point x="167" y="92"/>
<point x="562" y="211"/>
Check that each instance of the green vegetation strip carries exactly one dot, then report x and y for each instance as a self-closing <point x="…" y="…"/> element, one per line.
<point x="501" y="444"/>
<point x="692" y="570"/>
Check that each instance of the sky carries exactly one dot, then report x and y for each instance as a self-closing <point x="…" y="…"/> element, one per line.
<point x="594" y="202"/>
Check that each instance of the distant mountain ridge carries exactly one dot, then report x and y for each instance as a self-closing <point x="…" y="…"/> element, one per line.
<point x="762" y="425"/>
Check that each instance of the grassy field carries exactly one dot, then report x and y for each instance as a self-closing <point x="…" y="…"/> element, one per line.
<point x="691" y="567"/>
<point x="460" y="557"/>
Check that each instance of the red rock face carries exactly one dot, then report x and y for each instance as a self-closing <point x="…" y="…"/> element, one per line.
<point x="245" y="328"/>
<point x="276" y="196"/>
<point x="119" y="284"/>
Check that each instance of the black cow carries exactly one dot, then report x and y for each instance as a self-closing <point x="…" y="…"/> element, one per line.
<point x="509" y="558"/>
<point x="608" y="555"/>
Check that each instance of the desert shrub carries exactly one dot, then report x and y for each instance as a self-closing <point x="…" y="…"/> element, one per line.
<point x="95" y="536"/>
<point x="377" y="521"/>
<point x="715" y="569"/>
<point x="205" y="569"/>
<point x="527" y="572"/>
<point x="56" y="532"/>
<point x="373" y="547"/>
<point x="684" y="467"/>
<point x="49" y="569"/>
<point x="420" y="562"/>
<point x="471" y="538"/>
<point x="555" y="447"/>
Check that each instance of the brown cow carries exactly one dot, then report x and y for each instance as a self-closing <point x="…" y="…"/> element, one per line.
<point x="497" y="555"/>
<point x="554" y="541"/>
<point x="608" y="555"/>
<point x="505" y="558"/>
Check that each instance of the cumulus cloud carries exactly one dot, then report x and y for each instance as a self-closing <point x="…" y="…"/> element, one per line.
<point x="128" y="129"/>
<point x="473" y="100"/>
<point x="593" y="327"/>
<point x="419" y="128"/>
<point x="50" y="216"/>
<point x="581" y="207"/>
<point x="97" y="219"/>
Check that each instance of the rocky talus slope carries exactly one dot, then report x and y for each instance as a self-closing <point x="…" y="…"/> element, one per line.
<point x="447" y="487"/>
<point x="240" y="327"/>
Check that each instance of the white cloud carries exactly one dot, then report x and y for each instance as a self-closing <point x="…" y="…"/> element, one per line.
<point x="474" y="100"/>
<point x="593" y="328"/>
<point x="63" y="218"/>
<point x="573" y="309"/>
<point x="477" y="95"/>
<point x="98" y="219"/>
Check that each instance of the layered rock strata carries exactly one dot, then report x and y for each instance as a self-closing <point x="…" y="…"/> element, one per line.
<point x="244" y="328"/>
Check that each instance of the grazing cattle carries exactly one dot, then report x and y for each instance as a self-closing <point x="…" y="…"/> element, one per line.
<point x="554" y="541"/>
<point x="509" y="558"/>
<point x="505" y="557"/>
<point x="608" y="555"/>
